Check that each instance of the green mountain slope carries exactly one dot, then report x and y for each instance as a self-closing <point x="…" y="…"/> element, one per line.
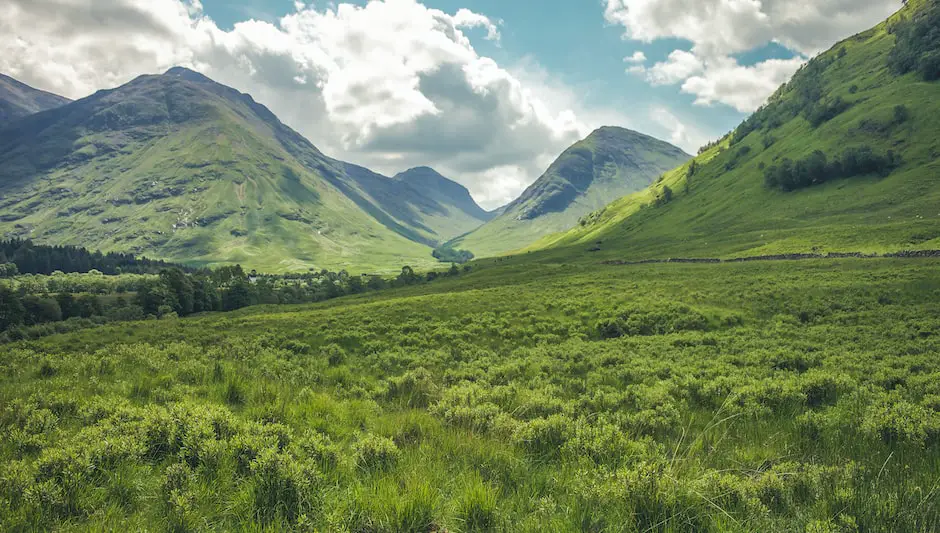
<point x="180" y="167"/>
<point x="607" y="164"/>
<point x="18" y="100"/>
<point x="850" y="101"/>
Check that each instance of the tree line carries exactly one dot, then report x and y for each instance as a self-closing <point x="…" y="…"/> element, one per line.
<point x="175" y="292"/>
<point x="817" y="168"/>
<point x="22" y="256"/>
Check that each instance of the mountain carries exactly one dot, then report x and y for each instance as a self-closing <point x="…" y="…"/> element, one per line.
<point x="18" y="100"/>
<point x="843" y="158"/>
<point x="179" y="167"/>
<point x="460" y="214"/>
<point x="607" y="164"/>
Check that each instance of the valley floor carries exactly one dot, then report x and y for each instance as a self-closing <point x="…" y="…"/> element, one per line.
<point x="525" y="396"/>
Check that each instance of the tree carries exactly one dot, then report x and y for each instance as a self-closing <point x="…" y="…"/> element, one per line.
<point x="816" y="167"/>
<point x="206" y="296"/>
<point x="12" y="312"/>
<point x="665" y="196"/>
<point x="87" y="305"/>
<point x="355" y="285"/>
<point x="152" y="294"/>
<point x="376" y="283"/>
<point x="8" y="270"/>
<point x="447" y="254"/>
<point x="67" y="305"/>
<point x="180" y="284"/>
<point x="40" y="310"/>
<point x="901" y="114"/>
<point x="407" y="276"/>
<point x="237" y="296"/>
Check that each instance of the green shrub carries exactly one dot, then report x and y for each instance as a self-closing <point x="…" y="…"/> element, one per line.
<point x="824" y="388"/>
<point x="415" y="388"/>
<point x="543" y="436"/>
<point x="647" y="321"/>
<point x="319" y="449"/>
<point x="604" y="443"/>
<point x="335" y="354"/>
<point x="283" y="487"/>
<point x="374" y="452"/>
<point x="899" y="421"/>
<point x="177" y="478"/>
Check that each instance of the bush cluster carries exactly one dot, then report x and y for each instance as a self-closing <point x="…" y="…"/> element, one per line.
<point x="817" y="168"/>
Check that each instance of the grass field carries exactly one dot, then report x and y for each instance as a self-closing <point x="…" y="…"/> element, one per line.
<point x="525" y="396"/>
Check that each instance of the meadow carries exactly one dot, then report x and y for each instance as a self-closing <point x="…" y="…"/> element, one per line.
<point x="525" y="395"/>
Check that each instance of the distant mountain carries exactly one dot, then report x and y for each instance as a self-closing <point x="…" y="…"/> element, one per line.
<point x="18" y="100"/>
<point x="182" y="168"/>
<point x="843" y="158"/>
<point x="608" y="164"/>
<point x="461" y="213"/>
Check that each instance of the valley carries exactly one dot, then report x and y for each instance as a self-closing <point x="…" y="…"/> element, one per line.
<point x="208" y="324"/>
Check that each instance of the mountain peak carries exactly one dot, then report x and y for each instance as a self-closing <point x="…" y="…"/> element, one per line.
<point x="423" y="170"/>
<point x="611" y="162"/>
<point x="187" y="74"/>
<point x="18" y="100"/>
<point x="442" y="189"/>
<point x="620" y="134"/>
<point x="427" y="175"/>
<point x="608" y="130"/>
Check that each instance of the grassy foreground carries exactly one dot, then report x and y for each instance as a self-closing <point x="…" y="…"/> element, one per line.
<point x="779" y="396"/>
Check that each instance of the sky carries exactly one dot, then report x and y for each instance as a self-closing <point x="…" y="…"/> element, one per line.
<point x="488" y="92"/>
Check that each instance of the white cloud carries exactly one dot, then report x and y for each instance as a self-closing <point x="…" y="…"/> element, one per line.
<point x="722" y="27"/>
<point x="636" y="58"/>
<point x="744" y="88"/>
<point x="680" y="65"/>
<point x="468" y="19"/>
<point x="718" y="29"/>
<point x="390" y="84"/>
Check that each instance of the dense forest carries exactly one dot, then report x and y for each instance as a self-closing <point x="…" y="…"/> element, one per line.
<point x="25" y="257"/>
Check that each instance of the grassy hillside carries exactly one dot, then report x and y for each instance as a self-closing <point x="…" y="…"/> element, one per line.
<point x="606" y="165"/>
<point x="18" y="100"/>
<point x="181" y="168"/>
<point x="725" y="207"/>
<point x="790" y="396"/>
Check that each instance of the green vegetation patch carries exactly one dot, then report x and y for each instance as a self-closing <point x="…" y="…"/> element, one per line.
<point x="775" y="396"/>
